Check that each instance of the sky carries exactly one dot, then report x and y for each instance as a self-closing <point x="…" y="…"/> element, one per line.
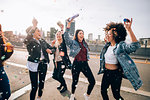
<point x="17" y="15"/>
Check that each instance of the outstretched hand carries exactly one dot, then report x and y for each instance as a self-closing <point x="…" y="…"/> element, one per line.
<point x="69" y="23"/>
<point x="60" y="25"/>
<point x="53" y="42"/>
<point x="34" y="22"/>
<point x="128" y="25"/>
<point x="48" y="51"/>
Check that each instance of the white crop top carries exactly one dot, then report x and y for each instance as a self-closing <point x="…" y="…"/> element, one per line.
<point x="110" y="57"/>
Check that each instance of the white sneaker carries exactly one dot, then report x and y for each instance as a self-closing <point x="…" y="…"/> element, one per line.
<point x="85" y="96"/>
<point x="39" y="98"/>
<point x="72" y="97"/>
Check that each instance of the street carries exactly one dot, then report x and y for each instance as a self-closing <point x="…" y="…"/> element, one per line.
<point x="19" y="76"/>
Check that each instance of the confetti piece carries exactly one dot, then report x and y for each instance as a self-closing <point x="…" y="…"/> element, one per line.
<point x="67" y="95"/>
<point x="3" y="57"/>
<point x="7" y="66"/>
<point x="3" y="72"/>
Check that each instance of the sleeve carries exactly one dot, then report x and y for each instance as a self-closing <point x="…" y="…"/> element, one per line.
<point x="6" y="55"/>
<point x="29" y="48"/>
<point x="132" y="47"/>
<point x="67" y="38"/>
<point x="51" y="48"/>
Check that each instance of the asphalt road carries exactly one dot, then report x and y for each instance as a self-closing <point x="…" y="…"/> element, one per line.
<point x="20" y="57"/>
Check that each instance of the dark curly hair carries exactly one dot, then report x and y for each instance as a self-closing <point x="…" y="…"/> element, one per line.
<point x="119" y="28"/>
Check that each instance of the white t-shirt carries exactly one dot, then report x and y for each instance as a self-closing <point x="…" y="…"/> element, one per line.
<point x="110" y="58"/>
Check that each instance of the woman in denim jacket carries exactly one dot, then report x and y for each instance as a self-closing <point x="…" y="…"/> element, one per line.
<point x="114" y="60"/>
<point x="79" y="51"/>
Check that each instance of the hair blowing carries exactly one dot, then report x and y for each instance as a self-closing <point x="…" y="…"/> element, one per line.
<point x="119" y="28"/>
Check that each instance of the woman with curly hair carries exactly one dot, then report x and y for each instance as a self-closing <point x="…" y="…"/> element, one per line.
<point x="115" y="62"/>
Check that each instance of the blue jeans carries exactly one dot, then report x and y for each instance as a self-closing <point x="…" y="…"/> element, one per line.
<point x="5" y="91"/>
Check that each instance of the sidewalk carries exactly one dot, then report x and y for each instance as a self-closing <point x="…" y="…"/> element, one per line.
<point x="51" y="93"/>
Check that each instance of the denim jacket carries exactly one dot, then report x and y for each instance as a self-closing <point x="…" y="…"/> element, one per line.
<point x="128" y="66"/>
<point x="73" y="45"/>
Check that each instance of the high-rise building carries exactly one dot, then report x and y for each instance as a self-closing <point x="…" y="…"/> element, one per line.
<point x="52" y="33"/>
<point x="99" y="37"/>
<point x="90" y="36"/>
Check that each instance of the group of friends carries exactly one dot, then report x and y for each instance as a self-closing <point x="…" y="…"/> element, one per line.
<point x="115" y="62"/>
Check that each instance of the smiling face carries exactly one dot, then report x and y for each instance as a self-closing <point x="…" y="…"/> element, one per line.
<point x="37" y="34"/>
<point x="80" y="36"/>
<point x="109" y="36"/>
<point x="59" y="35"/>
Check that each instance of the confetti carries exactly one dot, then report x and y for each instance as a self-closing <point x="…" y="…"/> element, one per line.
<point x="7" y="66"/>
<point x="3" y="57"/>
<point x="67" y="95"/>
<point x="3" y="72"/>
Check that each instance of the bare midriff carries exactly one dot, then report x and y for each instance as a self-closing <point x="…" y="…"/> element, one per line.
<point x="111" y="66"/>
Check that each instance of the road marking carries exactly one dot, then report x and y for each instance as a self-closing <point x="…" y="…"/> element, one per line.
<point x="23" y="90"/>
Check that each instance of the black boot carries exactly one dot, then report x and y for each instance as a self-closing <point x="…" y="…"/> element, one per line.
<point x="64" y="89"/>
<point x="59" y="87"/>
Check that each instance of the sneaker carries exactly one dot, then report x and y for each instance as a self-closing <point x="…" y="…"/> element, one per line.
<point x="85" y="96"/>
<point x="72" y="97"/>
<point x="63" y="90"/>
<point x="39" y="98"/>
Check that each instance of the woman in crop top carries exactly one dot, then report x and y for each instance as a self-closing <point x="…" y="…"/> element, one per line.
<point x="114" y="34"/>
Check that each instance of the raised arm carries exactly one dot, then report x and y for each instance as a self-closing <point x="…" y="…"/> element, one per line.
<point x="129" y="30"/>
<point x="67" y="38"/>
<point x="129" y="48"/>
<point x="32" y="30"/>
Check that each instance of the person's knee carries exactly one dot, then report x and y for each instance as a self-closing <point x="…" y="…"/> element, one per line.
<point x="92" y="82"/>
<point x="103" y="90"/>
<point x="34" y="88"/>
